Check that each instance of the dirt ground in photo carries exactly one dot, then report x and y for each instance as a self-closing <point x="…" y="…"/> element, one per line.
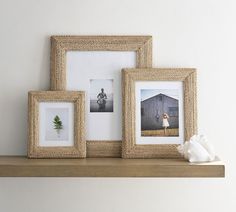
<point x="161" y="133"/>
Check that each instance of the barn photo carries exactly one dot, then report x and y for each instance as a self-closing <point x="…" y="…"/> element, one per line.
<point x="159" y="112"/>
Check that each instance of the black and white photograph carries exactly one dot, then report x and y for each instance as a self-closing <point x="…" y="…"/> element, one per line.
<point x="101" y="95"/>
<point x="159" y="110"/>
<point x="90" y="71"/>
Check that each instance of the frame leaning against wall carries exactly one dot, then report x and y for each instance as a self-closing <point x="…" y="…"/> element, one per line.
<point x="35" y="150"/>
<point x="60" y="45"/>
<point x="130" y="148"/>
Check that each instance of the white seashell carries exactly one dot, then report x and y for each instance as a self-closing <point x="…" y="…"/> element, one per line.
<point x="197" y="153"/>
<point x="197" y="149"/>
<point x="183" y="149"/>
<point x="209" y="148"/>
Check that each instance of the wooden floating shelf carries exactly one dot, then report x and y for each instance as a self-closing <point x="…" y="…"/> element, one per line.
<point x="20" y="166"/>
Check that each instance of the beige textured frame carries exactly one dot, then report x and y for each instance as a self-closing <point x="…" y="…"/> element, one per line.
<point x="142" y="45"/>
<point x="79" y="148"/>
<point x="129" y="76"/>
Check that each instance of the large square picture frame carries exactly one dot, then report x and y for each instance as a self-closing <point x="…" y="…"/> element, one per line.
<point x="60" y="45"/>
<point x="131" y="147"/>
<point x="56" y="102"/>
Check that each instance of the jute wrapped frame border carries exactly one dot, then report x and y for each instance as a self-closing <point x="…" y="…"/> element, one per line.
<point x="79" y="148"/>
<point x="142" y="45"/>
<point x="129" y="76"/>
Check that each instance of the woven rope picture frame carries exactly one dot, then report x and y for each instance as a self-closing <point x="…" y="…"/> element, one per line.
<point x="78" y="147"/>
<point x="60" y="45"/>
<point x="130" y="148"/>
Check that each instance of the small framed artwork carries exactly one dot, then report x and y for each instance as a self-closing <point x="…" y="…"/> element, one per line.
<point x="159" y="111"/>
<point x="56" y="124"/>
<point x="93" y="64"/>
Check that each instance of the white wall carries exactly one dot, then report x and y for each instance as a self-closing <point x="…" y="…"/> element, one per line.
<point x="186" y="33"/>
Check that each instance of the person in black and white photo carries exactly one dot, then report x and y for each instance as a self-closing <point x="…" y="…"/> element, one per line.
<point x="101" y="95"/>
<point x="102" y="100"/>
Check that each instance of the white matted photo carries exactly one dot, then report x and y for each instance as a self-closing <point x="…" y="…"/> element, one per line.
<point x="101" y="95"/>
<point x="56" y="124"/>
<point x="76" y="60"/>
<point x="159" y="112"/>
<point x="104" y="72"/>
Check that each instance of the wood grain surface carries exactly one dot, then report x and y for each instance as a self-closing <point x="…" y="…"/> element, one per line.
<point x="20" y="166"/>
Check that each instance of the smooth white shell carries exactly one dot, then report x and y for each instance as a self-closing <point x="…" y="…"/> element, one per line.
<point x="197" y="149"/>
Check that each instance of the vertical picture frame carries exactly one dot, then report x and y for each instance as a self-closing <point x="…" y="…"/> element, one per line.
<point x="159" y="111"/>
<point x="91" y="62"/>
<point x="56" y="124"/>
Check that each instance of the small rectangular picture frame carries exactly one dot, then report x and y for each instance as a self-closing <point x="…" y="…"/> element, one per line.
<point x="133" y="145"/>
<point x="56" y="124"/>
<point x="76" y="60"/>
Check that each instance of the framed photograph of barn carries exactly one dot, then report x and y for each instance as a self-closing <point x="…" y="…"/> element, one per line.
<point x="93" y="64"/>
<point x="159" y="111"/>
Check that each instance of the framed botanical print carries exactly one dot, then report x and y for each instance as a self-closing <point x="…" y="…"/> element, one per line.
<point x="56" y="124"/>
<point x="159" y="111"/>
<point x="93" y="64"/>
